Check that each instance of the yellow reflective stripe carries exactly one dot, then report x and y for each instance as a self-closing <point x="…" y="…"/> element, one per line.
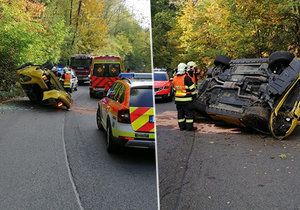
<point x="142" y="120"/>
<point x="183" y="99"/>
<point x="194" y="92"/>
<point x="181" y="120"/>
<point x="192" y="86"/>
<point x="189" y="121"/>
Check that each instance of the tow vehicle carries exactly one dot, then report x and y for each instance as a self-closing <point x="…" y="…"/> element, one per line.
<point x="104" y="72"/>
<point x="81" y="64"/>
<point x="259" y="93"/>
<point x="126" y="114"/>
<point x="42" y="86"/>
<point x="163" y="86"/>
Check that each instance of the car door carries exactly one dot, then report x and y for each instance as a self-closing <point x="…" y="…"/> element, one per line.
<point x="106" y="105"/>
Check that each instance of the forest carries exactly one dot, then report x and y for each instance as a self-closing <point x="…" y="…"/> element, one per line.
<point x="199" y="30"/>
<point x="52" y="30"/>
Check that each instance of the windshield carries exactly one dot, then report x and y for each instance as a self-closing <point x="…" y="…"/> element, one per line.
<point x="106" y="70"/>
<point x="160" y="77"/>
<point x="80" y="62"/>
<point x="141" y="97"/>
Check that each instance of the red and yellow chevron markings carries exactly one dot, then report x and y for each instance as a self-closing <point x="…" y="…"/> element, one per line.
<point x="140" y="119"/>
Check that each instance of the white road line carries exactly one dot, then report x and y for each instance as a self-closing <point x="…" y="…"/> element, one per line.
<point x="68" y="167"/>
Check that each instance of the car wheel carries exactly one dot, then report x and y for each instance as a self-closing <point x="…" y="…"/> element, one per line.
<point x="92" y="95"/>
<point x="279" y="60"/>
<point x="222" y="60"/>
<point x="110" y="144"/>
<point x="99" y="120"/>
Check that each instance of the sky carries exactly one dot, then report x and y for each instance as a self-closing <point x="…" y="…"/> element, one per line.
<point x="141" y="11"/>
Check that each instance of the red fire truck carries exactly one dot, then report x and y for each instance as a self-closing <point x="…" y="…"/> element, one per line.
<point x="104" y="72"/>
<point x="81" y="64"/>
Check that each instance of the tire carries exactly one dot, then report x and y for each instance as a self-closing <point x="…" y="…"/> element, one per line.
<point x="98" y="120"/>
<point x="110" y="144"/>
<point x="92" y="95"/>
<point x="222" y="60"/>
<point x="280" y="59"/>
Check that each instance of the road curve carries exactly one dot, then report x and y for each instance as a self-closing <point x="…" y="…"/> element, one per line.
<point x="56" y="159"/>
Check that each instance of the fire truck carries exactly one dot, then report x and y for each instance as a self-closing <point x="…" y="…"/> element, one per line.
<point x="104" y="72"/>
<point x="81" y="64"/>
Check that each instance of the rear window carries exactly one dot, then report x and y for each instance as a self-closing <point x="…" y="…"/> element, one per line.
<point x="106" y="69"/>
<point x="160" y="77"/>
<point x="141" y="97"/>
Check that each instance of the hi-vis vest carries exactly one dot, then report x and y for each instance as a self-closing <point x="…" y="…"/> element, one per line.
<point x="193" y="78"/>
<point x="182" y="92"/>
<point x="67" y="80"/>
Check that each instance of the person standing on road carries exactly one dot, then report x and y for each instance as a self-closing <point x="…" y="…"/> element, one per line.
<point x="192" y="71"/>
<point x="185" y="93"/>
<point x="67" y="79"/>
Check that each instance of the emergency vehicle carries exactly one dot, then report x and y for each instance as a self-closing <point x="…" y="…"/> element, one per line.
<point x="81" y="64"/>
<point x="104" y="72"/>
<point x="126" y="114"/>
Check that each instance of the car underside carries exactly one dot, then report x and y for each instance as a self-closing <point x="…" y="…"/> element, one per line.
<point x="262" y="93"/>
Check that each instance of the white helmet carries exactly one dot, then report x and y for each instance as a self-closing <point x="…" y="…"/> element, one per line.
<point x="191" y="65"/>
<point x="181" y="68"/>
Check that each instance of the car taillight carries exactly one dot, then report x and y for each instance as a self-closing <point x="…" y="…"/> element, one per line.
<point x="124" y="116"/>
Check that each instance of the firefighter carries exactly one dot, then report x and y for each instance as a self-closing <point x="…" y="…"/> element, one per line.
<point x="185" y="93"/>
<point x="192" y="71"/>
<point x="67" y="79"/>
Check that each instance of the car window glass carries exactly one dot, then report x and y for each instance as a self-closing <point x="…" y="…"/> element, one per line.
<point x="106" y="69"/>
<point x="110" y="92"/>
<point x="141" y="97"/>
<point x="160" y="77"/>
<point x="118" y="91"/>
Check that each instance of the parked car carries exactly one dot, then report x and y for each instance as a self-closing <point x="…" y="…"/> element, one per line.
<point x="163" y="86"/>
<point x="263" y="94"/>
<point x="42" y="86"/>
<point x="126" y="114"/>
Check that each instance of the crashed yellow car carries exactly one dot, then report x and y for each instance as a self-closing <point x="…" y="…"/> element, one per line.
<point x="42" y="86"/>
<point x="259" y="93"/>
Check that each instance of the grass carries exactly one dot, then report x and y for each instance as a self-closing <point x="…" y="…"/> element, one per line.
<point x="15" y="91"/>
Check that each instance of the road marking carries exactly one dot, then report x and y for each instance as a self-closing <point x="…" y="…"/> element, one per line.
<point x="68" y="167"/>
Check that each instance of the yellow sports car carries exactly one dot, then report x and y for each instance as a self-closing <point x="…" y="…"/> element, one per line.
<point x="42" y="86"/>
<point x="263" y="94"/>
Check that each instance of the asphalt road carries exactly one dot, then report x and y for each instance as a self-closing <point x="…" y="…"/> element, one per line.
<point x="55" y="159"/>
<point x="221" y="167"/>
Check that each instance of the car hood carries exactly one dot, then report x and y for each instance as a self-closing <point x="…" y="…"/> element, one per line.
<point x="159" y="84"/>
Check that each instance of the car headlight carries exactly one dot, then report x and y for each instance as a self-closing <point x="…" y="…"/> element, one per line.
<point x="24" y="78"/>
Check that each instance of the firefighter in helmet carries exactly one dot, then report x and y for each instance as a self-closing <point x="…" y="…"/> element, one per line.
<point x="67" y="79"/>
<point x="192" y="71"/>
<point x="185" y="93"/>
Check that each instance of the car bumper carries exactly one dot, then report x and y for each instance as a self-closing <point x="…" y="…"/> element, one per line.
<point x="141" y="144"/>
<point x="126" y="136"/>
<point x="83" y="78"/>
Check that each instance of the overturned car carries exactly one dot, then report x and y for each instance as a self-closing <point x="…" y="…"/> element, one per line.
<point x="42" y="86"/>
<point x="263" y="93"/>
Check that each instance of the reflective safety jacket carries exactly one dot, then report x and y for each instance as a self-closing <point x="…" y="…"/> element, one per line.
<point x="67" y="80"/>
<point x="185" y="89"/>
<point x="192" y="75"/>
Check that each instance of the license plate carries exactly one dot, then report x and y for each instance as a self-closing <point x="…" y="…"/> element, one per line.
<point x="151" y="119"/>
